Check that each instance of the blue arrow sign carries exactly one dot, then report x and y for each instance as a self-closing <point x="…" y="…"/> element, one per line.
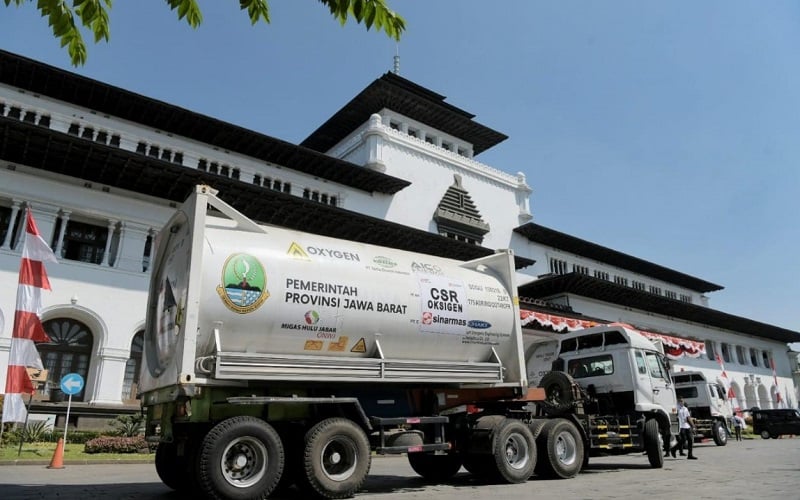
<point x="71" y="383"/>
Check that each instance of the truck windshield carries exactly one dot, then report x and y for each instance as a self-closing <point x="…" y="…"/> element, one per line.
<point x="656" y="365"/>
<point x="686" y="392"/>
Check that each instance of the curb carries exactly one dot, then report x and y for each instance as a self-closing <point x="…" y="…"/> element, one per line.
<point x="45" y="463"/>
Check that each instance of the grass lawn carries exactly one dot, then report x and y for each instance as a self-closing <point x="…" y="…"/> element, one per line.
<point x="45" y="451"/>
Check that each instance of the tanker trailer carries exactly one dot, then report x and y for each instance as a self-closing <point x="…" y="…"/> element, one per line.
<point x="275" y="357"/>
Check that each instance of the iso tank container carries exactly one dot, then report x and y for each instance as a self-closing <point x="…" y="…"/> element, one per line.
<point x="231" y="299"/>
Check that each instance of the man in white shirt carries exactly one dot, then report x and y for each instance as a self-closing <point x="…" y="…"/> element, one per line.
<point x="685" y="437"/>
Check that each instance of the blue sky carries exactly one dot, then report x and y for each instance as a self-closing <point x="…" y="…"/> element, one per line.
<point x="664" y="130"/>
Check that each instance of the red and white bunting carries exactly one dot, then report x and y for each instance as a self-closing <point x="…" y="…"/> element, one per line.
<point x="27" y="325"/>
<point x="557" y="323"/>
<point x="674" y="347"/>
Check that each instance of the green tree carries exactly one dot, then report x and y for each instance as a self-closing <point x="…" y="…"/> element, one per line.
<point x="93" y="15"/>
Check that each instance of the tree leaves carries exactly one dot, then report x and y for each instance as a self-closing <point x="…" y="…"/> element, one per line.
<point x="94" y="16"/>
<point x="256" y="9"/>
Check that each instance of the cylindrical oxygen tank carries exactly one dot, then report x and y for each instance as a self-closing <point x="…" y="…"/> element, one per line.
<point x="293" y="293"/>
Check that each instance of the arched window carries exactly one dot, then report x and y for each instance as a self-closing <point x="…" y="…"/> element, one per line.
<point x="69" y="351"/>
<point x="131" y="383"/>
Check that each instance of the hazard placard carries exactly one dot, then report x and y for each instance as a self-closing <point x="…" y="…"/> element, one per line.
<point x="296" y="252"/>
<point x="313" y="345"/>
<point x="338" y="345"/>
<point x="361" y="346"/>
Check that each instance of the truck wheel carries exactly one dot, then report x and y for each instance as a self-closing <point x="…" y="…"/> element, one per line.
<point x="435" y="468"/>
<point x="536" y="427"/>
<point x="336" y="459"/>
<point x="765" y="435"/>
<point x="562" y="446"/>
<point x="720" y="433"/>
<point x="514" y="451"/>
<point x="171" y="468"/>
<point x="558" y="391"/>
<point x="653" y="444"/>
<point x="241" y="457"/>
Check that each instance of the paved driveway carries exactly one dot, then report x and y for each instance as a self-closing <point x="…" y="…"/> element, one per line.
<point x="761" y="469"/>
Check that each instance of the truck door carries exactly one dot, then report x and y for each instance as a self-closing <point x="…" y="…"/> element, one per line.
<point x="718" y="400"/>
<point x="660" y="383"/>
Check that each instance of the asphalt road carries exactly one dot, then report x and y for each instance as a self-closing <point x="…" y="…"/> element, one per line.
<point x="762" y="469"/>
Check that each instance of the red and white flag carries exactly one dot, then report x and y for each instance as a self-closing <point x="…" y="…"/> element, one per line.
<point x="27" y="326"/>
<point x="727" y="383"/>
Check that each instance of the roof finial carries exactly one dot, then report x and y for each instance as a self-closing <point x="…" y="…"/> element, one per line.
<point x="396" y="69"/>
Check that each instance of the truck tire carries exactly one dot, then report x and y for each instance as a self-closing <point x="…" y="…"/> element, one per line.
<point x="514" y="451"/>
<point x="336" y="458"/>
<point x="653" y="444"/>
<point x="719" y="433"/>
<point x="536" y="426"/>
<point x="171" y="468"/>
<point x="241" y="457"/>
<point x="435" y="468"/>
<point x="765" y="434"/>
<point x="560" y="450"/>
<point x="558" y="391"/>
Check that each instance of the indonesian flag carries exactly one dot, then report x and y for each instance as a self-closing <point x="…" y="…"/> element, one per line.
<point x="27" y="325"/>
<point x="727" y="383"/>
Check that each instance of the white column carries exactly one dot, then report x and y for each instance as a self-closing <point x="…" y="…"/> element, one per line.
<point x="130" y="251"/>
<point x="112" y="224"/>
<point x="373" y="137"/>
<point x="15" y="204"/>
<point x="107" y="387"/>
<point x="60" y="243"/>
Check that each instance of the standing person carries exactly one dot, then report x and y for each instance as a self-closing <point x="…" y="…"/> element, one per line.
<point x="738" y="425"/>
<point x="686" y="437"/>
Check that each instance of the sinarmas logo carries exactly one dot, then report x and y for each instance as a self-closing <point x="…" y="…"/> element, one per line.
<point x="244" y="283"/>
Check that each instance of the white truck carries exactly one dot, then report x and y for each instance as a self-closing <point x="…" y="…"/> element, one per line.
<point x="275" y="358"/>
<point x="708" y="403"/>
<point x="614" y="384"/>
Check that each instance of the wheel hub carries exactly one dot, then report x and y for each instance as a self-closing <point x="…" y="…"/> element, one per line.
<point x="244" y="462"/>
<point x="239" y="462"/>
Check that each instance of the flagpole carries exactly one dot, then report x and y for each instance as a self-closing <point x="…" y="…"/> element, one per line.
<point x="25" y="426"/>
<point x="27" y="329"/>
<point x="69" y="404"/>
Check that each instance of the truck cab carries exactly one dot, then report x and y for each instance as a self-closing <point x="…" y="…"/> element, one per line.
<point x="708" y="404"/>
<point x="628" y="398"/>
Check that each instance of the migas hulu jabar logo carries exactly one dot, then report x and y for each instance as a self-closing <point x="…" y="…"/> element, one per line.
<point x="243" y="286"/>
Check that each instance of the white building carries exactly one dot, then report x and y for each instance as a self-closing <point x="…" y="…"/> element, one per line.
<point x="102" y="169"/>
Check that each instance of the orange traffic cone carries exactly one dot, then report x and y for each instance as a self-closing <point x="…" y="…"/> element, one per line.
<point x="58" y="456"/>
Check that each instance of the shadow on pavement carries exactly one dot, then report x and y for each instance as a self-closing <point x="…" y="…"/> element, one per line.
<point x="68" y="491"/>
